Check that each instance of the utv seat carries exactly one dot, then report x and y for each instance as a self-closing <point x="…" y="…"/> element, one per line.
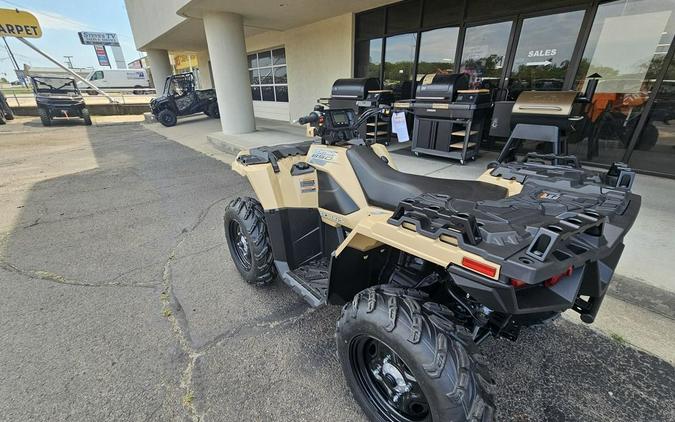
<point x="385" y="187"/>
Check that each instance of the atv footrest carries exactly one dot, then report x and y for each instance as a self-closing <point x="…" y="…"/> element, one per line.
<point x="310" y="281"/>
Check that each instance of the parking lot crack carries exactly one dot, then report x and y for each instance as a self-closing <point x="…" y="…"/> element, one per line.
<point x="45" y="275"/>
<point x="173" y="311"/>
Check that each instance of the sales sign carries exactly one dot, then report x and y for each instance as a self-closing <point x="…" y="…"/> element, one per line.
<point x="14" y="23"/>
<point x="98" y="38"/>
<point x="102" y="55"/>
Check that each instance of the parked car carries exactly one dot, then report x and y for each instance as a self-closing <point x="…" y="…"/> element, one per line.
<point x="136" y="79"/>
<point x="181" y="98"/>
<point x="58" y="97"/>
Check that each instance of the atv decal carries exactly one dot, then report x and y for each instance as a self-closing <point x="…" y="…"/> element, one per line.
<point x="550" y="196"/>
<point x="322" y="156"/>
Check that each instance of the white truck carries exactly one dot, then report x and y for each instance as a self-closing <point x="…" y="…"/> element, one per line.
<point x="111" y="79"/>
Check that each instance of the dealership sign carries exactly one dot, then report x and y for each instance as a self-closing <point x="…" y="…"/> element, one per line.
<point x="102" y="55"/>
<point x="98" y="38"/>
<point x="14" y="23"/>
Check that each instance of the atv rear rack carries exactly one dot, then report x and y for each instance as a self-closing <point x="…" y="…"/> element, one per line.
<point x="430" y="218"/>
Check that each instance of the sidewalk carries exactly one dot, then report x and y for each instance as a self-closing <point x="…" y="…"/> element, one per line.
<point x="640" y="307"/>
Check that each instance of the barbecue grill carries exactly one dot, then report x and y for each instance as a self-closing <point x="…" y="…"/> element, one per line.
<point x="360" y="94"/>
<point x="448" y="116"/>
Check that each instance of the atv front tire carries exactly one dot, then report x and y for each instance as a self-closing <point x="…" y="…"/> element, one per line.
<point x="167" y="118"/>
<point x="44" y="117"/>
<point x="249" y="242"/>
<point x="404" y="360"/>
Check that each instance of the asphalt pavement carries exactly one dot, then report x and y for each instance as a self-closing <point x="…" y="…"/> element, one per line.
<point x="119" y="302"/>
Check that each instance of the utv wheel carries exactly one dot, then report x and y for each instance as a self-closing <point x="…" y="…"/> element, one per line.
<point x="44" y="117"/>
<point x="213" y="111"/>
<point x="248" y="240"/>
<point x="167" y="118"/>
<point x="404" y="360"/>
<point x="9" y="114"/>
<point x="86" y="116"/>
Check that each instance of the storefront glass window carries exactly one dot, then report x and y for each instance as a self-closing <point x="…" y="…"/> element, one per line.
<point x="627" y="45"/>
<point x="398" y="64"/>
<point x="655" y="149"/>
<point x="368" y="58"/>
<point x="267" y="73"/>
<point x="437" y="52"/>
<point x="483" y="54"/>
<point x="544" y="51"/>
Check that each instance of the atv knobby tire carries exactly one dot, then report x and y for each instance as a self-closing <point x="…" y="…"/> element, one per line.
<point x="167" y="118"/>
<point x="442" y="360"/>
<point x="244" y="222"/>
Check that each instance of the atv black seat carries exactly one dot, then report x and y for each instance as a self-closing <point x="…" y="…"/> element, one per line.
<point x="385" y="187"/>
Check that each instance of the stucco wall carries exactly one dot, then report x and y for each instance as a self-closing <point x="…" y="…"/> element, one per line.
<point x="316" y="55"/>
<point x="151" y="18"/>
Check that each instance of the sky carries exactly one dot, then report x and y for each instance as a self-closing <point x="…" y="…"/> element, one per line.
<point x="61" y="20"/>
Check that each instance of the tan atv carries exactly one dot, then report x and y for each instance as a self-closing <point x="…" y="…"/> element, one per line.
<point x="426" y="268"/>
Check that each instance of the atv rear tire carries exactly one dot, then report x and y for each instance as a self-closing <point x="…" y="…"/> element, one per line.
<point x="248" y="240"/>
<point x="212" y="111"/>
<point x="167" y="118"/>
<point x="392" y="342"/>
<point x="44" y="117"/>
<point x="86" y="116"/>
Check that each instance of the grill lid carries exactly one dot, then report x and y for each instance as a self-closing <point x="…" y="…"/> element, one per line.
<point x="354" y="88"/>
<point x="545" y="103"/>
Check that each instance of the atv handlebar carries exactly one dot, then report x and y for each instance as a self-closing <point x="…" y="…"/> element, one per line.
<point x="312" y="117"/>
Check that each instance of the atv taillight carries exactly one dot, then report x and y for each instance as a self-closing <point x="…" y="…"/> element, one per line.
<point x="479" y="267"/>
<point x="517" y="283"/>
<point x="556" y="278"/>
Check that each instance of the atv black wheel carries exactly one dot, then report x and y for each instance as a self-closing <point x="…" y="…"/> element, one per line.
<point x="405" y="361"/>
<point x="249" y="243"/>
<point x="167" y="118"/>
<point x="44" y="117"/>
<point x="86" y="116"/>
<point x="212" y="111"/>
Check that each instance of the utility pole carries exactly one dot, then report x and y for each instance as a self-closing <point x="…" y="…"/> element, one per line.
<point x="14" y="62"/>
<point x="69" y="60"/>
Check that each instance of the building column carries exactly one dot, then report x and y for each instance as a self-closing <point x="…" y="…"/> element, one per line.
<point x="160" y="68"/>
<point x="227" y="49"/>
<point x="205" y="81"/>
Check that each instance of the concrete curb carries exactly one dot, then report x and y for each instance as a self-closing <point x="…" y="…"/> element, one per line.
<point x="233" y="144"/>
<point x="94" y="109"/>
<point x="643" y="295"/>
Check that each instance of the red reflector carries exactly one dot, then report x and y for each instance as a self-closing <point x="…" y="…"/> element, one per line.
<point x="556" y="278"/>
<point x="517" y="283"/>
<point x="479" y="267"/>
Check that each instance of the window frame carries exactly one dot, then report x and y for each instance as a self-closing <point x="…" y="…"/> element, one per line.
<point x="272" y="68"/>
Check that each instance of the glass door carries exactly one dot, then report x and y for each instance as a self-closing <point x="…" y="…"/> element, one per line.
<point x="484" y="52"/>
<point x="543" y="53"/>
<point x="655" y="148"/>
<point x="627" y="47"/>
<point x="399" y="58"/>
